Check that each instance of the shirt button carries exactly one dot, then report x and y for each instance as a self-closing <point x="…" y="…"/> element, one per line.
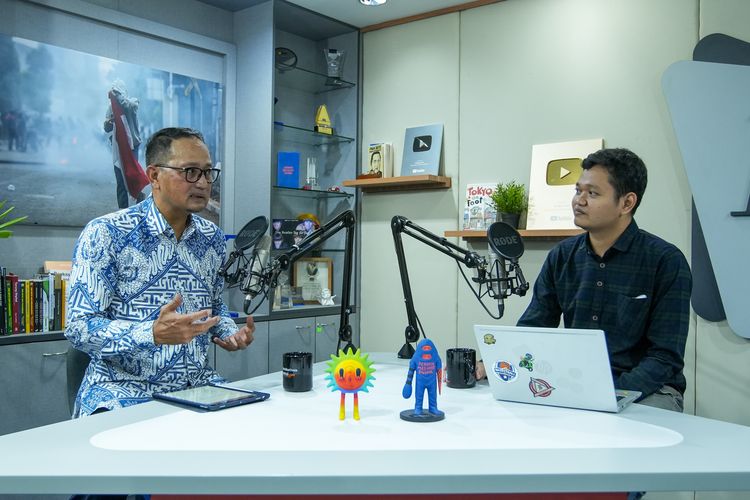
<point x="595" y="317"/>
<point x="602" y="265"/>
<point x="599" y="283"/>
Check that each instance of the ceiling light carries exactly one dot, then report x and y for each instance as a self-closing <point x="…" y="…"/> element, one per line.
<point x="372" y="2"/>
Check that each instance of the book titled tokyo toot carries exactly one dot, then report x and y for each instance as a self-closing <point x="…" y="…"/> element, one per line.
<point x="479" y="211"/>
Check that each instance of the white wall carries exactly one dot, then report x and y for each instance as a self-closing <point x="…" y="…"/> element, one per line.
<point x="531" y="72"/>
<point x="410" y="78"/>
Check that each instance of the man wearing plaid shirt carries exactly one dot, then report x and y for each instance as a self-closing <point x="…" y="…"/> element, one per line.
<point x="620" y="279"/>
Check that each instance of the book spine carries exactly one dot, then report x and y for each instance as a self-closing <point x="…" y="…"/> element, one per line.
<point x="8" y="305"/>
<point x="3" y="330"/>
<point x="37" y="306"/>
<point x="14" y="303"/>
<point x="29" y="306"/>
<point x="63" y="313"/>
<point x="22" y="306"/>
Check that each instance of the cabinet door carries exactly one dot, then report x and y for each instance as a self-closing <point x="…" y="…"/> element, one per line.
<point x="33" y="382"/>
<point x="289" y="335"/>
<point x="327" y="335"/>
<point x="250" y="362"/>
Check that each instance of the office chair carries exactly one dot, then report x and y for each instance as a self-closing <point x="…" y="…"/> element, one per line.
<point x="76" y="363"/>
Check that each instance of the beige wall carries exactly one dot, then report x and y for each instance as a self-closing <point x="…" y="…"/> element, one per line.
<point x="509" y="75"/>
<point x="410" y="79"/>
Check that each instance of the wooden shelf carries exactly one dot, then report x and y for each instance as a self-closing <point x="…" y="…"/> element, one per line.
<point x="534" y="234"/>
<point x="404" y="183"/>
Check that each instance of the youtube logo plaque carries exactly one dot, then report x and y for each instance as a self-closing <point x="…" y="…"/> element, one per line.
<point x="555" y="169"/>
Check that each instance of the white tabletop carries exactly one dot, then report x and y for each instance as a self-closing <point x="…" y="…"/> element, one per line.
<point x="294" y="443"/>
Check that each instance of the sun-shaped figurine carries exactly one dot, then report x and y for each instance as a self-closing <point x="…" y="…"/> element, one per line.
<point x="349" y="373"/>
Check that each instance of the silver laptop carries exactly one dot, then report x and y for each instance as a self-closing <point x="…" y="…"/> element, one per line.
<point x="550" y="366"/>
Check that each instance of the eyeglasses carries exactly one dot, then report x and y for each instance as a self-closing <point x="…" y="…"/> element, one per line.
<point x="193" y="174"/>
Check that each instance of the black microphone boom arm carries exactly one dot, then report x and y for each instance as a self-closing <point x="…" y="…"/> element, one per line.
<point x="402" y="225"/>
<point x="508" y="280"/>
<point x="284" y="262"/>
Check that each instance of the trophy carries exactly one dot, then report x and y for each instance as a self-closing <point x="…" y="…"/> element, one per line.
<point x="322" y="121"/>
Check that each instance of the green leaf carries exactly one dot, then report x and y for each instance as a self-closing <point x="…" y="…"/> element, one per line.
<point x="12" y="221"/>
<point x="5" y="234"/>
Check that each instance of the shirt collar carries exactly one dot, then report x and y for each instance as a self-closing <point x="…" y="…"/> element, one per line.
<point x="157" y="224"/>
<point x="622" y="244"/>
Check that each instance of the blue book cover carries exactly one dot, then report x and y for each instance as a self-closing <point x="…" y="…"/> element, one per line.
<point x="287" y="169"/>
<point x="422" y="150"/>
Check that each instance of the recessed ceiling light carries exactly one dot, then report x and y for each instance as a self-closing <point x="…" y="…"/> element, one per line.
<point x="372" y="2"/>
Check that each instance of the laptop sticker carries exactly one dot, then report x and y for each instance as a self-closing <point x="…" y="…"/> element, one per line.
<point x="527" y="361"/>
<point x="540" y="388"/>
<point x="489" y="339"/>
<point x="505" y="371"/>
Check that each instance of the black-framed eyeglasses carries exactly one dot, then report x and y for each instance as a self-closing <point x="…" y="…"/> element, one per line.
<point x="193" y="174"/>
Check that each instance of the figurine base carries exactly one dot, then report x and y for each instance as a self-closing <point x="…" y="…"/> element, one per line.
<point x="425" y="416"/>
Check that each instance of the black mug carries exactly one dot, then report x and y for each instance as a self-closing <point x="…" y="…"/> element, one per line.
<point x="297" y="371"/>
<point x="460" y="365"/>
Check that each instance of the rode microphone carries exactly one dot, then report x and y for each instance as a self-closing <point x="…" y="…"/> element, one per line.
<point x="505" y="243"/>
<point x="248" y="236"/>
<point x="256" y="276"/>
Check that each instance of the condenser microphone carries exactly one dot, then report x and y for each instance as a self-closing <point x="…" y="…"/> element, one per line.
<point x="256" y="276"/>
<point x="505" y="241"/>
<point x="498" y="276"/>
<point x="246" y="238"/>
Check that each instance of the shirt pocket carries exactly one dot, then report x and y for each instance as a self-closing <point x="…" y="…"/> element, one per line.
<point x="632" y="313"/>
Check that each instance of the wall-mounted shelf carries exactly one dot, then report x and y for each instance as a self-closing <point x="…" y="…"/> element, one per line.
<point x="533" y="234"/>
<point x="403" y="183"/>
<point x="308" y="81"/>
<point x="310" y="193"/>
<point x="290" y="133"/>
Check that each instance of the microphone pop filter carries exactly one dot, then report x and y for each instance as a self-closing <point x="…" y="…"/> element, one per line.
<point x="505" y="241"/>
<point x="251" y="233"/>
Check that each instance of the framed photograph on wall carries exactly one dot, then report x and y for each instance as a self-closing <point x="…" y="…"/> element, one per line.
<point x="313" y="274"/>
<point x="74" y="128"/>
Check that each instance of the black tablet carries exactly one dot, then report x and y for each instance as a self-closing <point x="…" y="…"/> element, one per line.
<point x="211" y="398"/>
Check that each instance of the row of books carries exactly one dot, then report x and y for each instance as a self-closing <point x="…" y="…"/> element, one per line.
<point x="32" y="305"/>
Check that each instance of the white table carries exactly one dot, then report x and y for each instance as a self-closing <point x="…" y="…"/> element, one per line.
<point x="294" y="444"/>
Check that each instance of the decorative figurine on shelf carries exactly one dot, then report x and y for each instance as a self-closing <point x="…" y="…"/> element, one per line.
<point x="323" y="121"/>
<point x="426" y="362"/>
<point x="349" y="373"/>
<point x="326" y="299"/>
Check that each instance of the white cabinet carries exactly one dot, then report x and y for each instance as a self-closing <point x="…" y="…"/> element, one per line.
<point x="33" y="390"/>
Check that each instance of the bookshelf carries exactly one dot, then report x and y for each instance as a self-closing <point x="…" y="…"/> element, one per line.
<point x="527" y="234"/>
<point x="403" y="183"/>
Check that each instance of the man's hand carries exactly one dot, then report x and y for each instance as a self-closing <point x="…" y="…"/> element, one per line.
<point x="241" y="339"/>
<point x="173" y="328"/>
<point x="480" y="372"/>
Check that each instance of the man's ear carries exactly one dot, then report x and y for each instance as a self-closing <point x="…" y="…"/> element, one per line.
<point x="628" y="202"/>
<point x="152" y="172"/>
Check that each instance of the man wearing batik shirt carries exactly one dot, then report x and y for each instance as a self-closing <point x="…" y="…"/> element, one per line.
<point x="145" y="297"/>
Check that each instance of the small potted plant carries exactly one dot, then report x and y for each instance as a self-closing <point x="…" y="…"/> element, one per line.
<point x="509" y="200"/>
<point x="4" y="233"/>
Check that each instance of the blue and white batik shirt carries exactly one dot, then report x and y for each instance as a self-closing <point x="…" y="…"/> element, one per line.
<point x="126" y="266"/>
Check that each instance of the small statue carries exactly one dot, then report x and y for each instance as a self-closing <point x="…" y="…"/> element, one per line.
<point x="326" y="299"/>
<point x="429" y="368"/>
<point x="349" y="373"/>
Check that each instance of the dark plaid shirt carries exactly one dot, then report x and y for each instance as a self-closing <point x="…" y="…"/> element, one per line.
<point x="638" y="293"/>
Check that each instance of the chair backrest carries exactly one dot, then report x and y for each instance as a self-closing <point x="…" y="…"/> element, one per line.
<point x="76" y="363"/>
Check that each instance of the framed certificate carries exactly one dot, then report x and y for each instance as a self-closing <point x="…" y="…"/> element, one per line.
<point x="313" y="274"/>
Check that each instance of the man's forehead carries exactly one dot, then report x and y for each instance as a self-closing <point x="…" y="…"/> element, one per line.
<point x="595" y="176"/>
<point x="190" y="149"/>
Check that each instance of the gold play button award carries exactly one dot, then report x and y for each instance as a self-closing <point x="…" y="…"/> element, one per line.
<point x="563" y="172"/>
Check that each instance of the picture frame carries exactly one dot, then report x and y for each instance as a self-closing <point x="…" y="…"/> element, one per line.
<point x="312" y="275"/>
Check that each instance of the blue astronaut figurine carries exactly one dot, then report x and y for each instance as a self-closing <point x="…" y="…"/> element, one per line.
<point x="429" y="368"/>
